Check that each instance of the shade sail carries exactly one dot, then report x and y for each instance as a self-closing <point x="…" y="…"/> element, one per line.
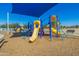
<point x="32" y="9"/>
<point x="5" y="7"/>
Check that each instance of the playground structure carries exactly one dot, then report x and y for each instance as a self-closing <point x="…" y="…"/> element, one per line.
<point x="36" y="31"/>
<point x="18" y="31"/>
<point x="54" y="28"/>
<point x="22" y="30"/>
<point x="19" y="28"/>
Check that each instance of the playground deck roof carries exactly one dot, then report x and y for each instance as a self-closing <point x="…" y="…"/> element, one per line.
<point x="32" y="9"/>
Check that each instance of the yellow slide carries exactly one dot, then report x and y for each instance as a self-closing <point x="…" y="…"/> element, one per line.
<point x="36" y="31"/>
<point x="55" y="31"/>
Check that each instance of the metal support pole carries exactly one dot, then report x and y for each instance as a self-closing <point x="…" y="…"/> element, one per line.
<point x="50" y="26"/>
<point x="8" y="21"/>
<point x="57" y="26"/>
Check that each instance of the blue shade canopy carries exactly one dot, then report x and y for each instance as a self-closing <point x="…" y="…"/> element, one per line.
<point x="5" y="7"/>
<point x="32" y="9"/>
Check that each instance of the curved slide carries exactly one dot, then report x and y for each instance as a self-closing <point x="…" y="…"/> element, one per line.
<point x="55" y="31"/>
<point x="36" y="31"/>
<point x="34" y="35"/>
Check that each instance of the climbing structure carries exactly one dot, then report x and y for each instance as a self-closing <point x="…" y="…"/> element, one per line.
<point x="54" y="27"/>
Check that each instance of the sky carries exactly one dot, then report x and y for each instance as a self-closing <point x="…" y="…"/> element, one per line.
<point x="68" y="14"/>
